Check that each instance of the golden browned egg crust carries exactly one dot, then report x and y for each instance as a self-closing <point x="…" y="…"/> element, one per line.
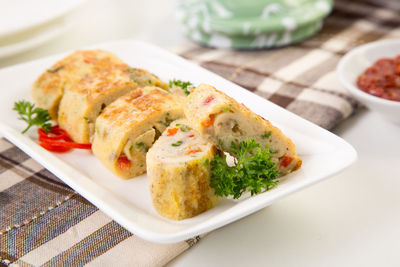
<point x="222" y="120"/>
<point x="77" y="88"/>
<point x="84" y="101"/>
<point x="128" y="127"/>
<point x="49" y="87"/>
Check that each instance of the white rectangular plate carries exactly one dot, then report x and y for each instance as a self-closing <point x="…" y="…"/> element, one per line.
<point x="128" y="201"/>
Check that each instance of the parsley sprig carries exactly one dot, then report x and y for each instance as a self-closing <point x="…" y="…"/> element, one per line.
<point x="253" y="170"/>
<point x="181" y="84"/>
<point x="33" y="115"/>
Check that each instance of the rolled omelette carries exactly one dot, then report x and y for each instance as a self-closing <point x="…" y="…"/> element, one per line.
<point x="85" y="100"/>
<point x="179" y="173"/>
<point x="49" y="87"/>
<point x="129" y="126"/>
<point x="222" y="120"/>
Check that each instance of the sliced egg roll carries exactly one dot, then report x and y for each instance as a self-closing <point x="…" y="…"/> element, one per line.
<point x="222" y="120"/>
<point x="86" y="99"/>
<point x="49" y="87"/>
<point x="179" y="173"/>
<point x="128" y="127"/>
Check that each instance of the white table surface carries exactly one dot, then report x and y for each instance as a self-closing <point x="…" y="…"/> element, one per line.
<point x="351" y="219"/>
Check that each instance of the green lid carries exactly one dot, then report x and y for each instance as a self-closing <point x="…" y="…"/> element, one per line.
<point x="262" y="40"/>
<point x="251" y="17"/>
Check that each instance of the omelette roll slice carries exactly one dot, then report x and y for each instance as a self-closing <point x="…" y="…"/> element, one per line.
<point x="222" y="120"/>
<point x="179" y="173"/>
<point x="86" y="99"/>
<point x="128" y="127"/>
<point x="48" y="89"/>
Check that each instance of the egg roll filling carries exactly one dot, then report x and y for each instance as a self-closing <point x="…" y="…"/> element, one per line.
<point x="91" y="117"/>
<point x="136" y="147"/>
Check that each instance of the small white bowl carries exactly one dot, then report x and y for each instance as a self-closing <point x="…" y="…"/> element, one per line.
<point x="355" y="62"/>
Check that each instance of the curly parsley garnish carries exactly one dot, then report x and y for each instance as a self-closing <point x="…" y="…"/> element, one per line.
<point x="181" y="84"/>
<point x="253" y="170"/>
<point x="33" y="116"/>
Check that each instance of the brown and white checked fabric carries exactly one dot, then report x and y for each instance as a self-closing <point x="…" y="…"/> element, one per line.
<point x="44" y="222"/>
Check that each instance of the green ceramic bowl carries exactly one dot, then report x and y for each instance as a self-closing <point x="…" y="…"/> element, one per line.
<point x="262" y="40"/>
<point x="251" y="17"/>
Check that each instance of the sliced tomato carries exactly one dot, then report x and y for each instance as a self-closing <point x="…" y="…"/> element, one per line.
<point x="56" y="133"/>
<point x="66" y="144"/>
<point x="57" y="140"/>
<point x="54" y="147"/>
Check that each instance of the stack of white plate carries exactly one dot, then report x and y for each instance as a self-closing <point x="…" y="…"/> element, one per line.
<point x="25" y="24"/>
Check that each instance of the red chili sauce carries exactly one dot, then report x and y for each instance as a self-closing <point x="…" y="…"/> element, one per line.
<point x="382" y="79"/>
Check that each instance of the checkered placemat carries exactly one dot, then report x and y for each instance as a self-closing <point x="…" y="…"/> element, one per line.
<point x="43" y="222"/>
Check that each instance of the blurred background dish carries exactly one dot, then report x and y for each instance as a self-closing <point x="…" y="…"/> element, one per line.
<point x="251" y="24"/>
<point x="35" y="38"/>
<point x="21" y="15"/>
<point x="26" y="24"/>
<point x="354" y="63"/>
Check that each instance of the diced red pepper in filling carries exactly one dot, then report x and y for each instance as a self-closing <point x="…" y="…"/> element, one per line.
<point x="208" y="122"/>
<point x="285" y="161"/>
<point x="208" y="100"/>
<point x="124" y="163"/>
<point x="192" y="135"/>
<point x="193" y="151"/>
<point x="172" y="131"/>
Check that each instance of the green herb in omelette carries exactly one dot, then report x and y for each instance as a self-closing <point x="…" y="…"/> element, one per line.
<point x="227" y="109"/>
<point x="33" y="115"/>
<point x="253" y="170"/>
<point x="165" y="123"/>
<point x="142" y="146"/>
<point x="56" y="69"/>
<point x="266" y="135"/>
<point x="178" y="143"/>
<point x="181" y="84"/>
<point x="183" y="127"/>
